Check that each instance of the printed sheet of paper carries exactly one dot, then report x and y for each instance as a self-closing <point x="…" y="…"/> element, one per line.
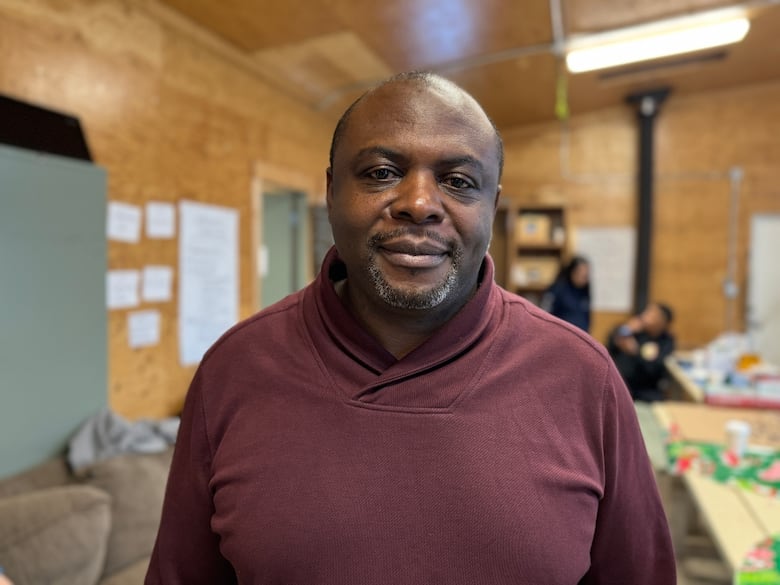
<point x="160" y="220"/>
<point x="208" y="276"/>
<point x="611" y="251"/>
<point x="157" y="283"/>
<point x="122" y="289"/>
<point x="143" y="328"/>
<point x="123" y="223"/>
<point x="262" y="258"/>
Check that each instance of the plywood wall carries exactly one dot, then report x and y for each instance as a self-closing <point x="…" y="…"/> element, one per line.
<point x="590" y="164"/>
<point x="171" y="113"/>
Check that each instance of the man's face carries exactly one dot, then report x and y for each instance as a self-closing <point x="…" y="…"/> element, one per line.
<point x="412" y="196"/>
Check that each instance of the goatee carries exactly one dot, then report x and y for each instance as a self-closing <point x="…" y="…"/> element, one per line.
<point x="411" y="298"/>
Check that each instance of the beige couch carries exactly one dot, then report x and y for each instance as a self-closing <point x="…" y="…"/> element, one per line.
<point x="95" y="528"/>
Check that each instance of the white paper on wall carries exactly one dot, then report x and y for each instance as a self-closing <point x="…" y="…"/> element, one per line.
<point x="263" y="260"/>
<point x="122" y="289"/>
<point x="208" y="276"/>
<point x="157" y="283"/>
<point x="123" y="223"/>
<point x="160" y="220"/>
<point x="143" y="328"/>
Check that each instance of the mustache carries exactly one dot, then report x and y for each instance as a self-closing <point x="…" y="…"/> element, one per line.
<point x="377" y="239"/>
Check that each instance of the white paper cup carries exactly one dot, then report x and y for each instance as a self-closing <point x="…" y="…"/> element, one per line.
<point x="737" y="436"/>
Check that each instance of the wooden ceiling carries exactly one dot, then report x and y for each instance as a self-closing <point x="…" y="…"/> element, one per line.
<point x="325" y="53"/>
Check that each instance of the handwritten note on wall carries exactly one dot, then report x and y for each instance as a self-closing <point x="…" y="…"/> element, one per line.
<point x="157" y="283"/>
<point x="160" y="220"/>
<point x="143" y="328"/>
<point x="122" y="289"/>
<point x="123" y="222"/>
<point x="208" y="276"/>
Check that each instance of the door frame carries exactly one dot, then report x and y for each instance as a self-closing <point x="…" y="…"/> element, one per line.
<point x="288" y="179"/>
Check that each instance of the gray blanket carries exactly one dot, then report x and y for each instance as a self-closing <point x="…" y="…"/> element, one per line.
<point x="107" y="434"/>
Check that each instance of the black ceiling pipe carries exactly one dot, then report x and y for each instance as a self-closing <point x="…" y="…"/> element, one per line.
<point x="647" y="105"/>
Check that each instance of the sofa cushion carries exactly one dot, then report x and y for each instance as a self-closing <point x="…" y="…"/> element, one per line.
<point x="136" y="484"/>
<point x="51" y="473"/>
<point x="56" y="536"/>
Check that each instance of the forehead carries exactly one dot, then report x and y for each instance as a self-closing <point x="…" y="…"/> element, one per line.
<point x="409" y="114"/>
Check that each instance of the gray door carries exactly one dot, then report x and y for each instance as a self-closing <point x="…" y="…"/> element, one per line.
<point x="284" y="245"/>
<point x="53" y="346"/>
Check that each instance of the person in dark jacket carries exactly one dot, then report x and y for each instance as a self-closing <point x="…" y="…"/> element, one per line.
<point x="639" y="348"/>
<point x="569" y="295"/>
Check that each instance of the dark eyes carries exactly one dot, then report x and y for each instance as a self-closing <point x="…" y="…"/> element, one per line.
<point x="386" y="174"/>
<point x="458" y="182"/>
<point x="381" y="174"/>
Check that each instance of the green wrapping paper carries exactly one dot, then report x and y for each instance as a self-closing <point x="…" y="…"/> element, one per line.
<point x="760" y="566"/>
<point x="757" y="471"/>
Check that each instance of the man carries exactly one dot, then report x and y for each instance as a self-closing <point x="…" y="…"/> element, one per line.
<point x="639" y="348"/>
<point x="403" y="420"/>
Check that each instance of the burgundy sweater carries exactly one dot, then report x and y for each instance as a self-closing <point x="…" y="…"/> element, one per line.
<point x="504" y="450"/>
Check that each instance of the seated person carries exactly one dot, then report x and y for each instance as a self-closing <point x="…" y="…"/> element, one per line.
<point x="639" y="348"/>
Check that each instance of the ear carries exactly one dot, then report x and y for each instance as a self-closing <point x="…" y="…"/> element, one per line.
<point x="498" y="195"/>
<point x="329" y="188"/>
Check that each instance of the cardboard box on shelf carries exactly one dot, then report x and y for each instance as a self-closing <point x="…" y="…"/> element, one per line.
<point x="533" y="228"/>
<point x="537" y="272"/>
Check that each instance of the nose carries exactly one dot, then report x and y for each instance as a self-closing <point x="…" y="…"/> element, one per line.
<point x="418" y="199"/>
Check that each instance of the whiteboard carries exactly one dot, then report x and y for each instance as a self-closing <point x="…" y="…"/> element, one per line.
<point x="611" y="252"/>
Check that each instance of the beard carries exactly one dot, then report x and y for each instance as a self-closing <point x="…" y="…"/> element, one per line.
<point x="413" y="298"/>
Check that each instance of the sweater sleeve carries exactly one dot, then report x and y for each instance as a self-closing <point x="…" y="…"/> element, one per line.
<point x="187" y="550"/>
<point x="631" y="543"/>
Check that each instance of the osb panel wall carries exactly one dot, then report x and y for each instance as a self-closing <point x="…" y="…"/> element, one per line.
<point x="590" y="164"/>
<point x="172" y="114"/>
<point x="699" y="140"/>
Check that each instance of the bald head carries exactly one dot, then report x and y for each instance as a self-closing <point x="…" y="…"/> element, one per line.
<point x="425" y="80"/>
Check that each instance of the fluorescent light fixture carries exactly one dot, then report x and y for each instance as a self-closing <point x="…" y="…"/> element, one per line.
<point x="655" y="40"/>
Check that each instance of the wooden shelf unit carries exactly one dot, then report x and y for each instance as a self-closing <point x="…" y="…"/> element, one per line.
<point x="537" y="247"/>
